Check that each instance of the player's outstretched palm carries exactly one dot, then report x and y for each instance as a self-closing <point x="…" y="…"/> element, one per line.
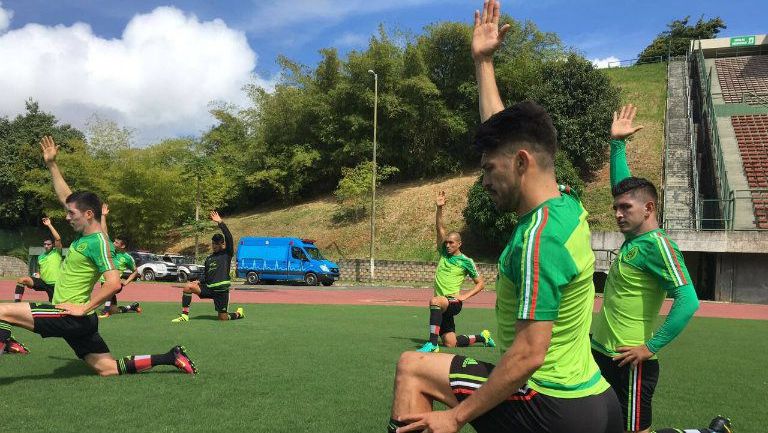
<point x="49" y="148"/>
<point x="487" y="36"/>
<point x="215" y="217"/>
<point x="104" y="209"/>
<point x="440" y="201"/>
<point x="622" y="127"/>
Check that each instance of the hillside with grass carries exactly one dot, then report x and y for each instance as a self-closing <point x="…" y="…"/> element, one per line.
<point x="405" y="218"/>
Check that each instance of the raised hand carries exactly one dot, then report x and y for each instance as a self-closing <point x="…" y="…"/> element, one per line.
<point x="621" y="127"/>
<point x="440" y="201"/>
<point x="46" y="221"/>
<point x="104" y="209"/>
<point x="49" y="148"/>
<point x="215" y="217"/>
<point x="487" y="36"/>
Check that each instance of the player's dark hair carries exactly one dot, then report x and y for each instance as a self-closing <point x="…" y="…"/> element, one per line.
<point x="636" y="185"/>
<point x="48" y="240"/>
<point x="86" y="201"/>
<point x="525" y="124"/>
<point x="121" y="239"/>
<point x="218" y="238"/>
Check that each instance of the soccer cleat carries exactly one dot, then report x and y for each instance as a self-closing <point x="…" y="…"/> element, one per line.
<point x="241" y="312"/>
<point x="181" y="318"/>
<point x="721" y="424"/>
<point x="488" y="340"/>
<point x="14" y="347"/>
<point x="182" y="360"/>
<point x="104" y="314"/>
<point x="136" y="307"/>
<point x="429" y="347"/>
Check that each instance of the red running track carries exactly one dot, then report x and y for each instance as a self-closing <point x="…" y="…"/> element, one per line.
<point x="341" y="295"/>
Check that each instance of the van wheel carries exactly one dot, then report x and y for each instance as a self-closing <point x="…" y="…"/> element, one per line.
<point x="252" y="278"/>
<point x="310" y="279"/>
<point x="183" y="277"/>
<point x="148" y="275"/>
<point x="327" y="283"/>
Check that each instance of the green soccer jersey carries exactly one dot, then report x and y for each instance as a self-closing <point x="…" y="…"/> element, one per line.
<point x="451" y="271"/>
<point x="50" y="265"/>
<point x="545" y="273"/>
<point x="646" y="268"/>
<point x="89" y="257"/>
<point x="122" y="261"/>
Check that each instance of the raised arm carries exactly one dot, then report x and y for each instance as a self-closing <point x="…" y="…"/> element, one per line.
<point x="621" y="129"/>
<point x="56" y="238"/>
<point x="50" y="150"/>
<point x="104" y="213"/>
<point x="486" y="39"/>
<point x="439" y="225"/>
<point x="230" y="247"/>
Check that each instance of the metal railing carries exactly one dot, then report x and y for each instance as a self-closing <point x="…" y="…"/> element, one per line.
<point x="709" y="116"/>
<point x="635" y="62"/>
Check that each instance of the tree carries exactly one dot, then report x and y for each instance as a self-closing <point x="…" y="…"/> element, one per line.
<point x="581" y="101"/>
<point x="105" y="137"/>
<point x="21" y="162"/>
<point x="676" y="40"/>
<point x="355" y="190"/>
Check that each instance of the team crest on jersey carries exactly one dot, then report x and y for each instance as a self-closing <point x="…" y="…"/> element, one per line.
<point x="468" y="361"/>
<point x="80" y="248"/>
<point x="631" y="254"/>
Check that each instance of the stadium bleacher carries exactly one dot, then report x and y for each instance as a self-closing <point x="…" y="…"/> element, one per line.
<point x="752" y="136"/>
<point x="741" y="78"/>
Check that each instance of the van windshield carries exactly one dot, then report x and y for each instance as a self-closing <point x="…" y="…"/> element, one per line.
<point x="315" y="253"/>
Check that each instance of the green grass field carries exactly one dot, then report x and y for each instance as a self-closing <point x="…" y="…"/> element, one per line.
<point x="323" y="369"/>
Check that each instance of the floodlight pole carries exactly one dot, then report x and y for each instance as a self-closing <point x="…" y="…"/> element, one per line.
<point x="373" y="178"/>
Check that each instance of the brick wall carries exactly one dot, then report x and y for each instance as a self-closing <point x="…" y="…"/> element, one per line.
<point x="12" y="267"/>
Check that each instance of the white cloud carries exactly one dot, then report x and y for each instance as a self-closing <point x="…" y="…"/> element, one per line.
<point x="608" y="62"/>
<point x="157" y="78"/>
<point x="5" y="18"/>
<point x="305" y="16"/>
<point x="352" y="40"/>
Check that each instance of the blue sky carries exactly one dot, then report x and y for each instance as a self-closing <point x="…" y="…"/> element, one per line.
<point x="599" y="29"/>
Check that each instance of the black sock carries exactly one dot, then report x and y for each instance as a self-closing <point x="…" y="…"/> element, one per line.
<point x="235" y="316"/>
<point x="468" y="340"/>
<point x="18" y="293"/>
<point x="186" y="301"/>
<point x="138" y="364"/>
<point x="5" y="334"/>
<point x="435" y="319"/>
<point x="123" y="309"/>
<point x="394" y="424"/>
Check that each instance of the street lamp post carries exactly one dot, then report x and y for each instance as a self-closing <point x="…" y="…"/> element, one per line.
<point x="373" y="179"/>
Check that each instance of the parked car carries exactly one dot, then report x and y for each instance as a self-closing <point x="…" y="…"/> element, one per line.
<point x="188" y="269"/>
<point x="151" y="267"/>
<point x="283" y="259"/>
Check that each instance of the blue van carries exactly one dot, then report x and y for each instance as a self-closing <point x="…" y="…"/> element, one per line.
<point x="284" y="259"/>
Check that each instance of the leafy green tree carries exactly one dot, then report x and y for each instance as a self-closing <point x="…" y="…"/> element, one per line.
<point x="676" y="39"/>
<point x="581" y="101"/>
<point x="21" y="161"/>
<point x="355" y="190"/>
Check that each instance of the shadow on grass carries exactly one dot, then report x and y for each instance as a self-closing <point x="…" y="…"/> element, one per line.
<point x="418" y="341"/>
<point x="71" y="368"/>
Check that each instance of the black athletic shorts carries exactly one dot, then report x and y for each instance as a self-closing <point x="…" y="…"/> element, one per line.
<point x="220" y="298"/>
<point x="527" y="411"/>
<point x="41" y="286"/>
<point x="448" y="324"/>
<point x="634" y="386"/>
<point x="81" y="333"/>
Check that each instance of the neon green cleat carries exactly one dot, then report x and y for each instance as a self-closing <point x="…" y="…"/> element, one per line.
<point x="488" y="340"/>
<point x="429" y="347"/>
<point x="181" y="318"/>
<point x="241" y="312"/>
